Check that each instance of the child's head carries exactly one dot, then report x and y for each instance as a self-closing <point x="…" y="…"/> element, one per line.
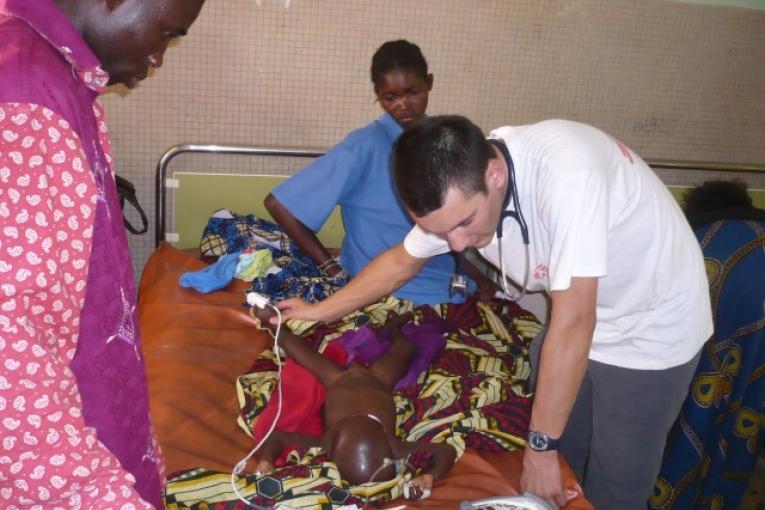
<point x="359" y="448"/>
<point x="401" y="81"/>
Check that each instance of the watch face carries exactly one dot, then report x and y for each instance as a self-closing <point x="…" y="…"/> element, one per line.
<point x="538" y="441"/>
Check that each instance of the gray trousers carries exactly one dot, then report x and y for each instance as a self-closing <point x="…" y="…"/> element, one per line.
<point x="617" y="429"/>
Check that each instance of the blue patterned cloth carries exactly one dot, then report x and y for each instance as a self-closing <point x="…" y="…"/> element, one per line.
<point x="299" y="276"/>
<point x="227" y="232"/>
<point x="713" y="447"/>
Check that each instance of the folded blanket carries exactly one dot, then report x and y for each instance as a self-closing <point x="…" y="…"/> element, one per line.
<point x="474" y="394"/>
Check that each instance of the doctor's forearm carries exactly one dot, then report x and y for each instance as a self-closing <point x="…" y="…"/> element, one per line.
<point x="563" y="363"/>
<point x="380" y="278"/>
<point x="563" y="360"/>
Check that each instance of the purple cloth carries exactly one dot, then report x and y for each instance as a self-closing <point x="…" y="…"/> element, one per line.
<point x="368" y="344"/>
<point x="51" y="65"/>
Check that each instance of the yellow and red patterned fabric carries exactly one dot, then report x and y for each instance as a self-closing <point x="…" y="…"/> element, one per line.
<point x="473" y="396"/>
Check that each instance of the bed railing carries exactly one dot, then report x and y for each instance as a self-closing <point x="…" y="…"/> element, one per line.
<point x="160" y="201"/>
<point x="160" y="184"/>
<point x="670" y="164"/>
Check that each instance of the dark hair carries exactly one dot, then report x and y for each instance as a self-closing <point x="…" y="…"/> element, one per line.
<point x="399" y="54"/>
<point x="435" y="154"/>
<point x="716" y="196"/>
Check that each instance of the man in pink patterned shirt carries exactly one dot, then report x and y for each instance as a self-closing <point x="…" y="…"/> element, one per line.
<point x="75" y="430"/>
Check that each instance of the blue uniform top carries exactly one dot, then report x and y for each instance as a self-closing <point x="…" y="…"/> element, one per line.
<point x="356" y="175"/>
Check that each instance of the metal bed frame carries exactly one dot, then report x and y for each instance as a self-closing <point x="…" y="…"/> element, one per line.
<point x="160" y="183"/>
<point x="160" y="188"/>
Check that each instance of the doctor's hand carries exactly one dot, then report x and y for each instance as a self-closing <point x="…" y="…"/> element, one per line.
<point x="541" y="476"/>
<point x="296" y="308"/>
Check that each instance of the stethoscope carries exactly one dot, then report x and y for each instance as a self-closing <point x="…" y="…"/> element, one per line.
<point x="517" y="215"/>
<point x="458" y="280"/>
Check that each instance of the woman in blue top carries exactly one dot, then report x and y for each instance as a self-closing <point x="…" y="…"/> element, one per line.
<point x="356" y="175"/>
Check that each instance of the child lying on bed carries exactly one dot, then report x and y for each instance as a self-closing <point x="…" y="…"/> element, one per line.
<point x="359" y="414"/>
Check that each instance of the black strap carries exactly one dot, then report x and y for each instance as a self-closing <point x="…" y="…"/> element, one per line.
<point x="126" y="192"/>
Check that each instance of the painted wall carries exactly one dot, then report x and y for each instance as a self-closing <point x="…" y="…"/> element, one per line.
<point x="671" y="79"/>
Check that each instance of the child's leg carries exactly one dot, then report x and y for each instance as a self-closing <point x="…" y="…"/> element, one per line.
<point x="394" y="364"/>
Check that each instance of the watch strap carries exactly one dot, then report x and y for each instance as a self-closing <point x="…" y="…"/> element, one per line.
<point x="541" y="442"/>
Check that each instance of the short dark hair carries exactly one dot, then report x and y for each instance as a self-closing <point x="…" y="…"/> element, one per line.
<point x="399" y="54"/>
<point x="435" y="154"/>
<point x="716" y="195"/>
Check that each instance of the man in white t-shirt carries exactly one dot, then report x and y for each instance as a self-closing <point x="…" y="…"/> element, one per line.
<point x="630" y="302"/>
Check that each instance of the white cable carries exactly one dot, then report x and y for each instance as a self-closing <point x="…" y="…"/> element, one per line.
<point x="401" y="466"/>
<point x="254" y="299"/>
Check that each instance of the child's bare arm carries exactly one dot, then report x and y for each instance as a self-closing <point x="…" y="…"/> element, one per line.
<point x="442" y="461"/>
<point x="443" y="457"/>
<point x="395" y="326"/>
<point x="396" y="322"/>
<point x="300" y="351"/>
<point x="276" y="442"/>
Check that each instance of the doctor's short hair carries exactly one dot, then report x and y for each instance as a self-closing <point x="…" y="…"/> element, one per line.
<point x="436" y="154"/>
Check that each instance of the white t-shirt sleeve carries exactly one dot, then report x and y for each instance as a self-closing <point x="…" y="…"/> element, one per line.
<point x="575" y="213"/>
<point x="421" y="244"/>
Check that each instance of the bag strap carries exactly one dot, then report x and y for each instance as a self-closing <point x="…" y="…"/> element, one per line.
<point x="126" y="191"/>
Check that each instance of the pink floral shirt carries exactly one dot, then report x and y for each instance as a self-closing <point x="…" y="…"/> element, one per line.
<point x="47" y="199"/>
<point x="52" y="203"/>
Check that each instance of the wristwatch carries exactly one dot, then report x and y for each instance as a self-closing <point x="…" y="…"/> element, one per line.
<point x="541" y="442"/>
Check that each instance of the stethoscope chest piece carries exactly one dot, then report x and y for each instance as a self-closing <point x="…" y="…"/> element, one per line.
<point x="458" y="285"/>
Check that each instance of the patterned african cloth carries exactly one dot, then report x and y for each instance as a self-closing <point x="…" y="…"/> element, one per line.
<point x="712" y="448"/>
<point x="475" y="394"/>
<point x="228" y="232"/>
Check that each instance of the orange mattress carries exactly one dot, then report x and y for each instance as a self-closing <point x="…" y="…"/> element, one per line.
<point x="196" y="344"/>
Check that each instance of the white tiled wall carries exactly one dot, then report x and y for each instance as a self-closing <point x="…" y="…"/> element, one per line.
<point x="672" y="80"/>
